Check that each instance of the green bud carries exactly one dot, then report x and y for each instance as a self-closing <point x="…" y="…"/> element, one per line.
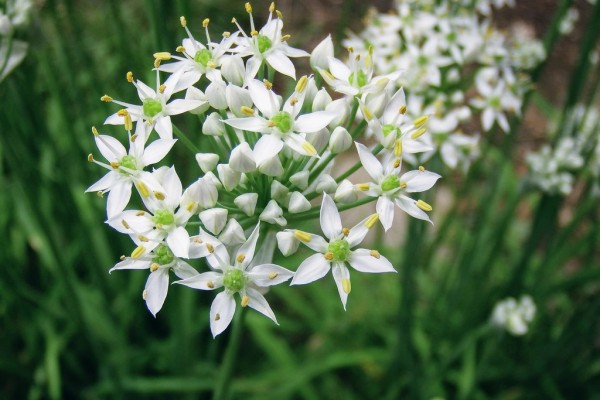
<point x="163" y="255"/>
<point x="360" y="77"/>
<point x="128" y="162"/>
<point x="264" y="43"/>
<point x="203" y="57"/>
<point x="151" y="107"/>
<point x="163" y="217"/>
<point x="340" y="249"/>
<point x="283" y="121"/>
<point x="387" y="129"/>
<point x="234" y="280"/>
<point x="390" y="182"/>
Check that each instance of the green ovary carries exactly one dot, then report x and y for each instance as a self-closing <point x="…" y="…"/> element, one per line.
<point x="264" y="43"/>
<point x="359" y="76"/>
<point x="390" y="182"/>
<point x="163" y="217"/>
<point x="283" y="121"/>
<point x="203" y="57"/>
<point x="163" y="255"/>
<point x="151" y="107"/>
<point x="234" y="280"/>
<point x="387" y="129"/>
<point x="340" y="249"/>
<point x="128" y="162"/>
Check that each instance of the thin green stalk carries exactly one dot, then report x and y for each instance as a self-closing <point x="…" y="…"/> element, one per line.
<point x="185" y="140"/>
<point x="316" y="210"/>
<point x="224" y="379"/>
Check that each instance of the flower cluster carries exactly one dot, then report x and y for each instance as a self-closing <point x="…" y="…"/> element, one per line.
<point x="266" y="158"/>
<point x="454" y="63"/>
<point x="513" y="315"/>
<point x="14" y="14"/>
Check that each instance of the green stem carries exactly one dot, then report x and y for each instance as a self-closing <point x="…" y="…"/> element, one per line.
<point x="316" y="210"/>
<point x="231" y="352"/>
<point x="185" y="140"/>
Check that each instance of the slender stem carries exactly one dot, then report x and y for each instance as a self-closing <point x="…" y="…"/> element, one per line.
<point x="185" y="140"/>
<point x="225" y="374"/>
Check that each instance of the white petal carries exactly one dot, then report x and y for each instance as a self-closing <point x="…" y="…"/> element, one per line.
<point x="118" y="197"/>
<point x="156" y="290"/>
<point x="250" y="124"/>
<point x="111" y="148"/>
<point x="385" y="209"/>
<point x="362" y="260"/>
<point x="108" y="180"/>
<point x="259" y="303"/>
<point x="205" y="281"/>
<point x="370" y="163"/>
<point x="419" y="181"/>
<point x="252" y="66"/>
<point x="247" y="249"/>
<point x="184" y="270"/>
<point x="180" y="106"/>
<point x="172" y="185"/>
<point x="265" y="100"/>
<point x="340" y="273"/>
<point x="313" y="268"/>
<point x="313" y="122"/>
<point x="339" y="69"/>
<point x="331" y="224"/>
<point x="221" y="313"/>
<point x="281" y="63"/>
<point x="266" y="147"/>
<point x="164" y="128"/>
<point x="131" y="263"/>
<point x="410" y="207"/>
<point x="179" y="242"/>
<point x="357" y="233"/>
<point x="157" y="150"/>
<point x="269" y="274"/>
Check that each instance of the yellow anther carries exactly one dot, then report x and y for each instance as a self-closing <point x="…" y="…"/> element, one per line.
<point x="210" y="248"/>
<point x="253" y="33"/>
<point x="183" y="21"/>
<point x="137" y="253"/>
<point x="372" y="220"/>
<point x="145" y="294"/>
<point x="397" y="162"/>
<point x="162" y="55"/>
<point x="357" y="58"/>
<point x="346" y="286"/>
<point x="420" y="121"/>
<point x="128" y="123"/>
<point x="210" y="284"/>
<point x="403" y="185"/>
<point x="211" y="64"/>
<point x="153" y="267"/>
<point x="418" y="133"/>
<point x="402" y="110"/>
<point x="421" y="168"/>
<point x="248" y="8"/>
<point x="309" y="148"/>
<point x="143" y="189"/>
<point x="226" y="34"/>
<point x="268" y="84"/>
<point x="156" y="63"/>
<point x="106" y="98"/>
<point x="100" y="194"/>
<point x="133" y="137"/>
<point x="367" y="113"/>
<point x="328" y="255"/>
<point x="374" y="253"/>
<point x="302" y="236"/>
<point x="233" y="20"/>
<point x="271" y="124"/>
<point x="140" y="214"/>
<point x="368" y="61"/>
<point x="350" y="49"/>
<point x="371" y="49"/>
<point x="240" y="258"/>
<point x="217" y="317"/>
<point x="191" y="206"/>
<point x="122" y="112"/>
<point x="273" y="275"/>
<point x="197" y="240"/>
<point x="272" y="7"/>
<point x="129" y="76"/>
<point x="285" y="38"/>
<point x="161" y="88"/>
<point x="95" y="131"/>
<point x="143" y="238"/>
<point x="90" y="157"/>
<point x="247" y="111"/>
<point x="345" y="231"/>
<point x="301" y="85"/>
<point x="279" y="14"/>
<point x="327" y="74"/>
<point x="363" y="187"/>
<point x="158" y="226"/>
<point x="398" y="148"/>
<point x="180" y="49"/>
<point x="115" y="164"/>
<point x="245" y="301"/>
<point x="122" y="258"/>
<point x="125" y="224"/>
<point x="424" y="206"/>
<point x="205" y="22"/>
<point x="159" y="195"/>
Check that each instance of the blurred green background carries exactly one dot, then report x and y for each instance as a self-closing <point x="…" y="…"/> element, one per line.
<point x="68" y="329"/>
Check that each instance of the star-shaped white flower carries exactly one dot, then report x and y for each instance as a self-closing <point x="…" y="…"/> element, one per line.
<point x="236" y="275"/>
<point x="389" y="186"/>
<point x="334" y="253"/>
<point x="160" y="261"/>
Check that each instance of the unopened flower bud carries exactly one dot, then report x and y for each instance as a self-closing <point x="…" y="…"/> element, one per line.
<point x="204" y="192"/>
<point x="318" y="139"/>
<point x="322" y="98"/>
<point x="213" y="178"/>
<point x="273" y="214"/>
<point x="346" y="192"/>
<point x="340" y="140"/>
<point x="247" y="203"/>
<point x="213" y="125"/>
<point x="215" y="94"/>
<point x="232" y="234"/>
<point x="376" y="102"/>
<point x="193" y="93"/>
<point x="300" y="179"/>
<point x="232" y="69"/>
<point x="298" y="203"/>
<point x="271" y="166"/>
<point x="228" y="177"/>
<point x="207" y="161"/>
<point x="214" y="219"/>
<point x="319" y="58"/>
<point x="279" y="192"/>
<point x="242" y="158"/>
<point x="238" y="98"/>
<point x="287" y="242"/>
<point x="341" y="109"/>
<point x="326" y="184"/>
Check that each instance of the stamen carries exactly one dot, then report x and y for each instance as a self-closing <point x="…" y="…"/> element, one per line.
<point x="125" y="224"/>
<point x="309" y="148"/>
<point x="162" y="55"/>
<point x="143" y="238"/>
<point x="180" y="49"/>
<point x="346" y="285"/>
<point x="268" y="84"/>
<point x="183" y="21"/>
<point x="144" y="294"/>
<point x="397" y="162"/>
<point x="240" y="258"/>
<point x="106" y="98"/>
<point x="302" y="236"/>
<point x="128" y="123"/>
<point x="424" y="206"/>
<point x="191" y="206"/>
<point x="301" y="85"/>
<point x="402" y="110"/>
<point x="159" y="195"/>
<point x="210" y="284"/>
<point x="205" y="22"/>
<point x="418" y="133"/>
<point x="421" y="168"/>
<point x="217" y="317"/>
<point x="143" y="189"/>
<point x="398" y="148"/>
<point x="363" y="187"/>
<point x="95" y="131"/>
<point x="279" y="14"/>
<point x="137" y="253"/>
<point x="156" y="63"/>
<point x="372" y="220"/>
<point x="273" y="275"/>
<point x="345" y="231"/>
<point x="245" y="301"/>
<point x="375" y="253"/>
<point x="247" y="111"/>
<point x="403" y="185"/>
<point x="90" y="157"/>
<point x="210" y="248"/>
<point x="248" y="8"/>
<point x="285" y="38"/>
<point x="420" y="121"/>
<point x="328" y="255"/>
<point x="100" y="194"/>
<point x="153" y="267"/>
<point x="140" y="213"/>
<point x="115" y="164"/>
<point x="129" y="76"/>
<point x="367" y="113"/>
<point x="162" y="88"/>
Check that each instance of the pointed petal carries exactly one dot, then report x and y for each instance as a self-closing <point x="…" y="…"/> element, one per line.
<point x="313" y="268"/>
<point x="247" y="249"/>
<point x="156" y="290"/>
<point x="259" y="303"/>
<point x="385" y="209"/>
<point x="267" y="102"/>
<point x="331" y="224"/>
<point x="164" y="128"/>
<point x="419" y="181"/>
<point x="108" y="180"/>
<point x="338" y="69"/>
<point x="269" y="274"/>
<point x="221" y="313"/>
<point x="281" y="63"/>
<point x="364" y="260"/>
<point x="180" y="106"/>
<point x="157" y="150"/>
<point x="179" y="242"/>
<point x="410" y="207"/>
<point x="370" y="163"/>
<point x="131" y="264"/>
<point x="205" y="281"/>
<point x="250" y="124"/>
<point x="266" y="147"/>
<point x="118" y="197"/>
<point x="340" y="274"/>
<point x="111" y="148"/>
<point x="313" y="122"/>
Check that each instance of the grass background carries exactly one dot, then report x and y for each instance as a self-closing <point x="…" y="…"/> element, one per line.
<point x="71" y="330"/>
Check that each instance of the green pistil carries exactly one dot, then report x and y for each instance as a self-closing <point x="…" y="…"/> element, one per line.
<point x="163" y="217"/>
<point x="128" y="162"/>
<point x="495" y="102"/>
<point x="283" y="121"/>
<point x="422" y="60"/>
<point x="234" y="280"/>
<point x="390" y="182"/>
<point x="264" y="43"/>
<point x="387" y="129"/>
<point x="163" y="255"/>
<point x="340" y="249"/>
<point x="359" y="78"/>
<point x="203" y="57"/>
<point x="151" y="107"/>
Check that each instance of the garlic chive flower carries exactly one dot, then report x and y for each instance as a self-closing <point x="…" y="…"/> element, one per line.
<point x="337" y="251"/>
<point x="236" y="275"/>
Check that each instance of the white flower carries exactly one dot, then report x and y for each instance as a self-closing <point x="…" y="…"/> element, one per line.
<point x="514" y="315"/>
<point x="389" y="186"/>
<point x="237" y="277"/>
<point x="160" y="261"/>
<point x="335" y="253"/>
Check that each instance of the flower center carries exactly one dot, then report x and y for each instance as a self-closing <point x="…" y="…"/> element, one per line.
<point x="340" y="249"/>
<point x="358" y="78"/>
<point x="264" y="43"/>
<point x="151" y="107"/>
<point x="128" y="162"/>
<point x="203" y="57"/>
<point x="163" y="217"/>
<point x="283" y="121"/>
<point x="495" y="102"/>
<point x="387" y="129"/>
<point x="163" y="255"/>
<point x="390" y="182"/>
<point x="234" y="280"/>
